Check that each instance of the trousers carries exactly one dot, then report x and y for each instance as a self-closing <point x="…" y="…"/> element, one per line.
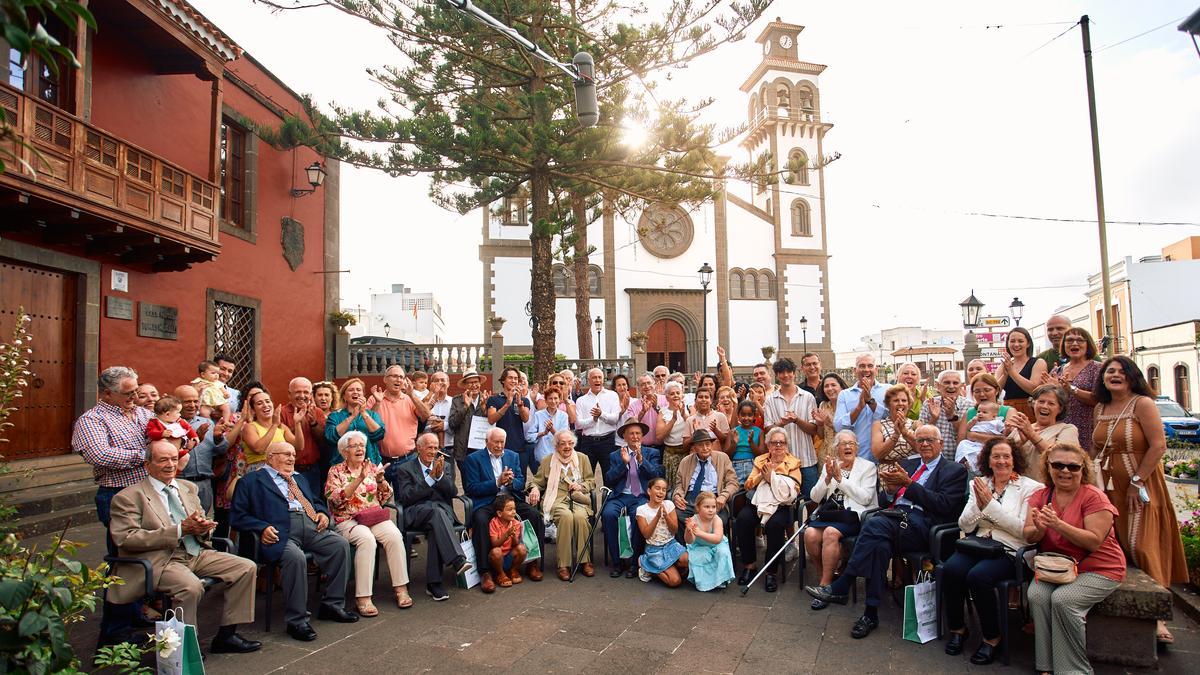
<point x="962" y="573"/>
<point x="876" y="545"/>
<point x="745" y="524"/>
<point x="181" y="580"/>
<point x="366" y="541"/>
<point x="1059" y="627"/>
<point x="598" y="449"/>
<point x="608" y="516"/>
<point x="332" y="554"/>
<point x="436" y="519"/>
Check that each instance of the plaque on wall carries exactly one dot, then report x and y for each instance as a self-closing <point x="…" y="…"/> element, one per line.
<point x="158" y="321"/>
<point x="118" y="308"/>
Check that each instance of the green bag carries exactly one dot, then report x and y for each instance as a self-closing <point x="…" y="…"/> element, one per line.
<point x="920" y="611"/>
<point x="623" y="540"/>
<point x="193" y="662"/>
<point x="533" y="550"/>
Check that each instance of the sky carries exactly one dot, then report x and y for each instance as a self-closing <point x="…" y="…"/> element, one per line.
<point x="941" y="110"/>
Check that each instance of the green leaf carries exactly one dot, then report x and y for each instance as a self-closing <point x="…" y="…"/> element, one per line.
<point x="14" y="592"/>
<point x="18" y="38"/>
<point x="62" y="598"/>
<point x="32" y="623"/>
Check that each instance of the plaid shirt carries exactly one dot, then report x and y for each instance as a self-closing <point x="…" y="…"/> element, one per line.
<point x="113" y="443"/>
<point x="949" y="429"/>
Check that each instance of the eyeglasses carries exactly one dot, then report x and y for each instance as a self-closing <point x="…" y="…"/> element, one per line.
<point x="926" y="441"/>
<point x="777" y="444"/>
<point x="1075" y="340"/>
<point x="1063" y="466"/>
<point x="127" y="394"/>
<point x="285" y="454"/>
<point x="356" y="445"/>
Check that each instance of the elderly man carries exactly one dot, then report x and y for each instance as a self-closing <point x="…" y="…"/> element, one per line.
<point x="401" y="410"/>
<point x="661" y="373"/>
<point x="790" y="407"/>
<point x="426" y="490"/>
<point x="920" y="494"/>
<point x="1056" y="326"/>
<point x="147" y="395"/>
<point x="277" y="506"/>
<point x="438" y="400"/>
<point x="860" y="406"/>
<point x="565" y="480"/>
<point x="509" y="410"/>
<point x="212" y="444"/>
<point x="464" y="411"/>
<point x="810" y="366"/>
<point x="945" y="410"/>
<point x="160" y="519"/>
<point x="597" y="413"/>
<point x="300" y="412"/>
<point x="703" y="471"/>
<point x="487" y="474"/>
<point x="629" y="472"/>
<point x="646" y="409"/>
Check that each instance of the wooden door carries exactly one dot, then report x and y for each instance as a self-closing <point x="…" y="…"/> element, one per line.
<point x="666" y="345"/>
<point x="46" y="410"/>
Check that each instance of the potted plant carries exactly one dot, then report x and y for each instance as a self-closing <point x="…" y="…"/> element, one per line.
<point x="767" y="352"/>
<point x="342" y="318"/>
<point x="638" y="340"/>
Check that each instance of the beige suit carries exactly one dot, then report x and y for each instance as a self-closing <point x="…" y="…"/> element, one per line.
<point x="727" y="482"/>
<point x="142" y="528"/>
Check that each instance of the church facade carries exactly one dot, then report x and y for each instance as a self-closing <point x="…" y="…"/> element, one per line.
<point x="764" y="240"/>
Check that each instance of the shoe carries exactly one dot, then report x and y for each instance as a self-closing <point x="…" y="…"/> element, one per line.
<point x="533" y="572"/>
<point x="588" y="570"/>
<point x="235" y="644"/>
<point x="486" y="584"/>
<point x="366" y="609"/>
<point x="772" y="584"/>
<point x="954" y="646"/>
<point x="745" y="576"/>
<point x="564" y="573"/>
<point x="331" y="613"/>
<point x="631" y="572"/>
<point x="460" y="565"/>
<point x="643" y="576"/>
<point x="615" y="573"/>
<point x="436" y="592"/>
<point x="515" y="576"/>
<point x="825" y="593"/>
<point x="985" y="654"/>
<point x="302" y="631"/>
<point x="502" y="580"/>
<point x="863" y="627"/>
<point x="818" y="605"/>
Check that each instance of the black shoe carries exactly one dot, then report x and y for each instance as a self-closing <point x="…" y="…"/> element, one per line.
<point x="631" y="571"/>
<point x="436" y="592"/>
<point x="772" y="584"/>
<point x="954" y="646"/>
<point x="331" y="613"/>
<point x="985" y="654"/>
<point x="302" y="631"/>
<point x="235" y="644"/>
<point x="615" y="573"/>
<point x="460" y="565"/>
<point x="826" y="594"/>
<point x="863" y="627"/>
<point x="818" y="605"/>
<point x="745" y="576"/>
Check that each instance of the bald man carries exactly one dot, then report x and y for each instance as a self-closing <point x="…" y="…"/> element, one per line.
<point x="300" y="406"/>
<point x="1055" y="327"/>
<point x="212" y="444"/>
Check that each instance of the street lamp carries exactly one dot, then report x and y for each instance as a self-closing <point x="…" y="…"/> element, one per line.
<point x="970" y="312"/>
<point x="1017" y="310"/>
<point x="804" y="329"/>
<point x="316" y="176"/>
<point x="705" y="277"/>
<point x="599" y="324"/>
<point x="387" y="329"/>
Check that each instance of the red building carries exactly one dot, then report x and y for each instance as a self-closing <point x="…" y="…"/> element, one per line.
<point x="154" y="230"/>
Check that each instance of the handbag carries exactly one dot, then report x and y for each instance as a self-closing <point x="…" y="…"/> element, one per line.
<point x="1054" y="568"/>
<point x="982" y="548"/>
<point x="830" y="511"/>
<point x="371" y="516"/>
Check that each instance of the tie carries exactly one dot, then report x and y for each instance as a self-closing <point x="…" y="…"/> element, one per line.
<point x="178" y="516"/>
<point x="295" y="493"/>
<point x="695" y="489"/>
<point x="915" y="477"/>
<point x="635" y="484"/>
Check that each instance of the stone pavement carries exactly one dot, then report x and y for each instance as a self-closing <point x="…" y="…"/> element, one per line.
<point x="601" y="625"/>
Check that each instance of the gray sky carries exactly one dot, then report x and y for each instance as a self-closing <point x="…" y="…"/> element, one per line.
<point x="940" y="110"/>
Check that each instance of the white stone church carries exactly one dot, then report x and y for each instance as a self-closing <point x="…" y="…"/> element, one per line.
<point x="766" y="245"/>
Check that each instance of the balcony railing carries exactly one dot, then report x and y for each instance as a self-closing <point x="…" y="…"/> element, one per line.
<point x="99" y="170"/>
<point x="453" y="359"/>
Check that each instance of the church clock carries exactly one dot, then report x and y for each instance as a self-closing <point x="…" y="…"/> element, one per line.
<point x="665" y="231"/>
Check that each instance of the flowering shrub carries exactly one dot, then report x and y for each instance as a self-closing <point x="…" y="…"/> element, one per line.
<point x="1182" y="468"/>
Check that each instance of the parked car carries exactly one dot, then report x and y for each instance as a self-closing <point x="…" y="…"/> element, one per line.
<point x="1177" y="422"/>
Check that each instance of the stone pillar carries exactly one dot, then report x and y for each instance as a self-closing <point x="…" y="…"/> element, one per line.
<point x="971" y="350"/>
<point x="497" y="350"/>
<point x="341" y="353"/>
<point x="638" y="341"/>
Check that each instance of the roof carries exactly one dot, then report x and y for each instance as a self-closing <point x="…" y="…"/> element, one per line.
<point x="777" y="23"/>
<point x="191" y="20"/>
<point x="924" y="351"/>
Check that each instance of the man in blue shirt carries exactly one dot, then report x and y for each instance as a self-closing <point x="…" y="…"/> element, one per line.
<point x="861" y="405"/>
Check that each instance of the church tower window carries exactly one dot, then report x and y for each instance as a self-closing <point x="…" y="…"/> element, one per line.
<point x="801" y="219"/>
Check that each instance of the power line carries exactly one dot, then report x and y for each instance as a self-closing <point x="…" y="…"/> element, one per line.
<point x="1045" y="44"/>
<point x="1169" y="23"/>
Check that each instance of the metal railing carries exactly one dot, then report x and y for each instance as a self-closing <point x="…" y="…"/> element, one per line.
<point x="580" y="367"/>
<point x="451" y="358"/>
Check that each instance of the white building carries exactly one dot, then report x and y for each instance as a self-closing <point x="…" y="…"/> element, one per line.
<point x="930" y="348"/>
<point x="404" y="315"/>
<point x="766" y="244"/>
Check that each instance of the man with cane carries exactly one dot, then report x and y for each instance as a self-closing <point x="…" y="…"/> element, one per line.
<point x="629" y="472"/>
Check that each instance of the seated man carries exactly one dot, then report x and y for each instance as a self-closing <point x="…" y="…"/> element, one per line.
<point x="426" y="490"/>
<point x="703" y="471"/>
<point x="276" y="505"/>
<point x="566" y="477"/>
<point x="629" y="472"/>
<point x="161" y="519"/>
<point x="487" y="474"/>
<point x="922" y="493"/>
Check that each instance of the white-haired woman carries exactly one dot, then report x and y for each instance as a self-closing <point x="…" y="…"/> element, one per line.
<point x="672" y="423"/>
<point x="356" y="492"/>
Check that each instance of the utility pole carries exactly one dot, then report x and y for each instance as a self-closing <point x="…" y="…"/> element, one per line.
<point x="1105" y="305"/>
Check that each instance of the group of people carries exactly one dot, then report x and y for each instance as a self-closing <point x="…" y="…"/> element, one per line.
<point x="1055" y="450"/>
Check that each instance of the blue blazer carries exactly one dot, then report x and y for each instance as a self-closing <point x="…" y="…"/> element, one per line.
<point x="944" y="494"/>
<point x="479" y="482"/>
<point x="650" y="467"/>
<point x="258" y="503"/>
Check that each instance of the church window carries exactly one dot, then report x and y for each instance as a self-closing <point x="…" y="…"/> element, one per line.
<point x="801" y="219"/>
<point x="514" y="211"/>
<point x="735" y="284"/>
<point x="797" y="167"/>
<point x="766" y="285"/>
<point x="750" y="285"/>
<point x="564" y="281"/>
<point x="593" y="280"/>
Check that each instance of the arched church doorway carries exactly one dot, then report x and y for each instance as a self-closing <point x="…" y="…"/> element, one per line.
<point x="666" y="345"/>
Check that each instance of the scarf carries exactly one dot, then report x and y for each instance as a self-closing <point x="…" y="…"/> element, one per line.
<point x="557" y="465"/>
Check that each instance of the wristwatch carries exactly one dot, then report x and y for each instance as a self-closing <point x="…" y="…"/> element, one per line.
<point x="871" y="401"/>
<point x="955" y="418"/>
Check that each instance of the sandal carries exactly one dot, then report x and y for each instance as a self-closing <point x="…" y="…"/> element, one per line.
<point x="1164" y="637"/>
<point x="403" y="600"/>
<point x="367" y="608"/>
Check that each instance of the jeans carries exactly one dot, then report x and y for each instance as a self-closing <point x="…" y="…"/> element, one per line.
<point x="809" y="476"/>
<point x="117" y="620"/>
<point x="963" y="572"/>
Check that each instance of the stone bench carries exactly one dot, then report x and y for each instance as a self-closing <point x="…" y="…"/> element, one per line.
<point x="1122" y="629"/>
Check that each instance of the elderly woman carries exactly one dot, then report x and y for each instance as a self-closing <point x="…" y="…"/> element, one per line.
<point x="1020" y="372"/>
<point x="1073" y="517"/>
<point x="355" y="416"/>
<point x="1129" y="443"/>
<point x="984" y="388"/>
<point x="909" y="375"/>
<point x="670" y="430"/>
<point x="777" y="463"/>
<point x="994" y="520"/>
<point x="566" y="479"/>
<point x="1078" y="377"/>
<point x="356" y="492"/>
<point x="1033" y="438"/>
<point x="850" y="485"/>
<point x="832" y="384"/>
<point x="892" y="437"/>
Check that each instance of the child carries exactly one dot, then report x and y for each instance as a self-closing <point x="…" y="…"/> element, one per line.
<point x="710" y="564"/>
<point x="657" y="520"/>
<point x="745" y="442"/>
<point x="987" y="421"/>
<point x="167" y="425"/>
<point x="213" y="397"/>
<point x="508" y="552"/>
<point x="420" y="383"/>
<point x="758" y="394"/>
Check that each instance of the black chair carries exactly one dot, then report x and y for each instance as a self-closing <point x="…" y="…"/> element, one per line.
<point x="148" y="593"/>
<point x="267" y="570"/>
<point x="1020" y="581"/>
<point x="797" y="508"/>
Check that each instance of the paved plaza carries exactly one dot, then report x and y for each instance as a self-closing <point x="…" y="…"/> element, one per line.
<point x="601" y="625"/>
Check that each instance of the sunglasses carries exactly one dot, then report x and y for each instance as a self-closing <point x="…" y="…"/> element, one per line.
<point x="1063" y="466"/>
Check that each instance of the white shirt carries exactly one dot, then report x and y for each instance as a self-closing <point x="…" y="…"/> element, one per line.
<point x="800" y="444"/>
<point x="420" y="394"/>
<point x="160" y="490"/>
<point x="429" y="480"/>
<point x="497" y="466"/>
<point x="442" y="409"/>
<point x="610" y="413"/>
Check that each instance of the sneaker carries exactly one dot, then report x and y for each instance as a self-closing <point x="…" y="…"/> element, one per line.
<point x="437" y="592"/>
<point x="792" y="552"/>
<point x="643" y="575"/>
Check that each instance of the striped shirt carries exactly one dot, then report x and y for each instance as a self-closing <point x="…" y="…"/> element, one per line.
<point x="113" y="443"/>
<point x="948" y="428"/>
<point x="800" y="444"/>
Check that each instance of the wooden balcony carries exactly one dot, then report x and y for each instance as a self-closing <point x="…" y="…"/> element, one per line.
<point x="109" y="180"/>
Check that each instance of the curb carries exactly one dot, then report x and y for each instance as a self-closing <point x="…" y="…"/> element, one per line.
<point x="1187" y="600"/>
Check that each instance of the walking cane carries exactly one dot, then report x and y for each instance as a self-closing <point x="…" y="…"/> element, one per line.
<point x="799" y="530"/>
<point x="587" y="546"/>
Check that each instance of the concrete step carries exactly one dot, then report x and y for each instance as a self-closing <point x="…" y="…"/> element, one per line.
<point x="43" y="472"/>
<point x="55" y="521"/>
<point x="40" y="500"/>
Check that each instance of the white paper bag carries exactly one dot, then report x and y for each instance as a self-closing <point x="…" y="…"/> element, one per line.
<point x="470" y="578"/>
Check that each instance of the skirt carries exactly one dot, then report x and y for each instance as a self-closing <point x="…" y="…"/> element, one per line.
<point x="660" y="558"/>
<point x="847" y="529"/>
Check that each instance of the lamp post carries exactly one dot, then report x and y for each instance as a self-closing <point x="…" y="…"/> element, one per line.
<point x="971" y="308"/>
<point x="804" y="330"/>
<point x="387" y="329"/>
<point x="599" y="324"/>
<point x="316" y="176"/>
<point x="1017" y="310"/>
<point x="705" y="277"/>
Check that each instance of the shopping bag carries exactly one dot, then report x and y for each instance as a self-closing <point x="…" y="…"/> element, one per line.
<point x="178" y="652"/>
<point x="193" y="662"/>
<point x="470" y="578"/>
<point x="625" y="543"/>
<point x="533" y="550"/>
<point x="920" y="610"/>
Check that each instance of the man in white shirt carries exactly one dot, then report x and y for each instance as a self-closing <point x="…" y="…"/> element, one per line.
<point x="791" y="408"/>
<point x="599" y="412"/>
<point x="439" y="403"/>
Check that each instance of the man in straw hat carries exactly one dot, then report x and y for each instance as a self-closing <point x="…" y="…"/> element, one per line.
<point x="629" y="472"/>
<point x="467" y="406"/>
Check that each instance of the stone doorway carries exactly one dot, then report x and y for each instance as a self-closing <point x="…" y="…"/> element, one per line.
<point x="666" y="345"/>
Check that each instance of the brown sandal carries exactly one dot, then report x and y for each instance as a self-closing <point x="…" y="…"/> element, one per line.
<point x="403" y="600"/>
<point x="366" y="608"/>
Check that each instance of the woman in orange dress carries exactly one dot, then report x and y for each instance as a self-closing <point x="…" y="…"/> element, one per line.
<point x="1129" y="442"/>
